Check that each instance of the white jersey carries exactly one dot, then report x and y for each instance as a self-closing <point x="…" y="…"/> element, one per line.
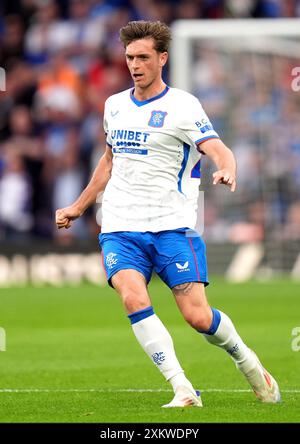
<point x="155" y="178"/>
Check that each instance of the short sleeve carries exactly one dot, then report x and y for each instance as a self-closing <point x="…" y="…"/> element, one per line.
<point x="195" y="124"/>
<point x="106" y="125"/>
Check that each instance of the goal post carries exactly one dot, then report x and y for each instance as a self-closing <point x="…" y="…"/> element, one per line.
<point x="246" y="74"/>
<point x="185" y="32"/>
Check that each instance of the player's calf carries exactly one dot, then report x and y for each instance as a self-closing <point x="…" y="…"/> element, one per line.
<point x="192" y="303"/>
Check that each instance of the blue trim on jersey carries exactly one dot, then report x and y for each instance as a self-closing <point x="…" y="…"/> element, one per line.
<point x="110" y="146"/>
<point x="186" y="151"/>
<point x="144" y="102"/>
<point x="206" y="138"/>
<point x="215" y="322"/>
<point x="196" y="170"/>
<point x="140" y="315"/>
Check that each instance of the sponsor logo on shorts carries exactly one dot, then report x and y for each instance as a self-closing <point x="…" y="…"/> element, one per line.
<point x="111" y="260"/>
<point x="184" y="267"/>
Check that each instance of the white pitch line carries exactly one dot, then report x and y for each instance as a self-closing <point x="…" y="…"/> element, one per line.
<point x="99" y="390"/>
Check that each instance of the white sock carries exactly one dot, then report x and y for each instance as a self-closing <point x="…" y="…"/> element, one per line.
<point x="180" y="379"/>
<point x="223" y="334"/>
<point x="158" y="344"/>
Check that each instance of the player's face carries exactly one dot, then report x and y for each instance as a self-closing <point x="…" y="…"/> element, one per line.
<point x="144" y="62"/>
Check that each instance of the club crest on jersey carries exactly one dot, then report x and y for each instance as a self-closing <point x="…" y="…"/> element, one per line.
<point x="157" y="119"/>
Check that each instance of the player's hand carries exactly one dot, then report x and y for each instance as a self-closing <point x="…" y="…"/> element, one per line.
<point x="226" y="178"/>
<point x="65" y="216"/>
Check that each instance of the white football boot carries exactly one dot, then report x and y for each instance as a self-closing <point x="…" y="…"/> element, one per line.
<point x="263" y="384"/>
<point x="184" y="397"/>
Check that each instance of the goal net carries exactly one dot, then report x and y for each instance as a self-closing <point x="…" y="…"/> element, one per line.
<point x="246" y="74"/>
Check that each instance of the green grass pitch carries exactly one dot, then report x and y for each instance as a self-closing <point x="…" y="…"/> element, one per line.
<point x="71" y="356"/>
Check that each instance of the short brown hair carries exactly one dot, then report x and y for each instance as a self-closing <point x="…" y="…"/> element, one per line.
<point x="141" y="29"/>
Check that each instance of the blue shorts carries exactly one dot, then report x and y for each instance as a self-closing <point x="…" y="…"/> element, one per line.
<point x="177" y="256"/>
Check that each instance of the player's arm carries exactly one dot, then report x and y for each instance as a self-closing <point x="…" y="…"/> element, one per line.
<point x="224" y="159"/>
<point x="98" y="182"/>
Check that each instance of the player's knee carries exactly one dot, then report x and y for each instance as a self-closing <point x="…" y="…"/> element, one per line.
<point x="200" y="320"/>
<point x="134" y="301"/>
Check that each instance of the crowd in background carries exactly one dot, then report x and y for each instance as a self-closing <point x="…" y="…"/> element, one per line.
<point x="250" y="99"/>
<point x="62" y="59"/>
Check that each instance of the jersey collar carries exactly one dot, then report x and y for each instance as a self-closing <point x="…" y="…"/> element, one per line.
<point x="144" y="102"/>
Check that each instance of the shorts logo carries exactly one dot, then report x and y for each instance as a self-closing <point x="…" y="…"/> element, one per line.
<point x="111" y="260"/>
<point x="158" y="358"/>
<point x="183" y="267"/>
<point x="157" y="119"/>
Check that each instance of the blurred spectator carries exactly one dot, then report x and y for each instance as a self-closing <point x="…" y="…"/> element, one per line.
<point x="15" y="193"/>
<point x="82" y="34"/>
<point x="189" y="9"/>
<point x="20" y="83"/>
<point x="292" y="226"/>
<point x="276" y="8"/>
<point x="59" y="74"/>
<point x="17" y="92"/>
<point x="58" y="111"/>
<point x="24" y="142"/>
<point x="45" y="32"/>
<point x="252" y="228"/>
<point x="238" y="9"/>
<point x="152" y="10"/>
<point x="12" y="44"/>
